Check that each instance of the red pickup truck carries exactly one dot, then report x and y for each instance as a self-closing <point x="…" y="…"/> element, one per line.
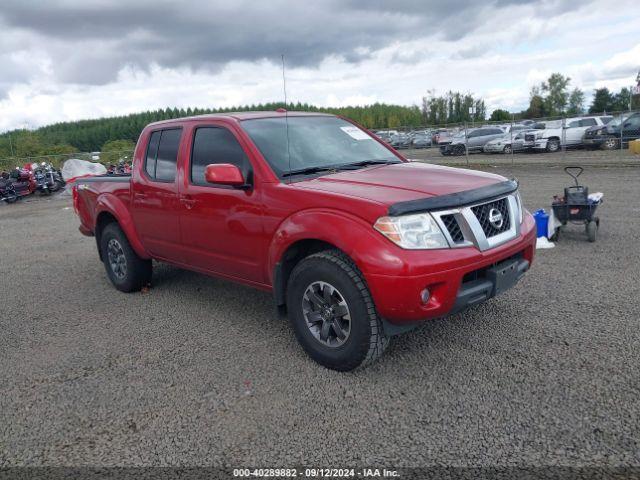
<point x="356" y="243"/>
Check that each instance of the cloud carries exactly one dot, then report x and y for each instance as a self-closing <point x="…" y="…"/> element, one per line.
<point x="90" y="41"/>
<point x="72" y="59"/>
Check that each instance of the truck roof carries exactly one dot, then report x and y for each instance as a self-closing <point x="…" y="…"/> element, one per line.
<point x="242" y="116"/>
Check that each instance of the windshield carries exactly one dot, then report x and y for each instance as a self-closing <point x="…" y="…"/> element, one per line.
<point x="616" y="121"/>
<point x="313" y="142"/>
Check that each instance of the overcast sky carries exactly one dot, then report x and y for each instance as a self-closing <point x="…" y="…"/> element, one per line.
<point x="73" y="59"/>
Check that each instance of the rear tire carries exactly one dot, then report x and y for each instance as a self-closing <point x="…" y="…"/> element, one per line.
<point x="345" y="333"/>
<point x="126" y="270"/>
<point x="459" y="150"/>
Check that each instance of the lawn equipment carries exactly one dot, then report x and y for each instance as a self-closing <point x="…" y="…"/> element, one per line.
<point x="577" y="206"/>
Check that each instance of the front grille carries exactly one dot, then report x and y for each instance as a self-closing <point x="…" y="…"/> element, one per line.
<point x="482" y="213"/>
<point x="453" y="228"/>
<point x="529" y="137"/>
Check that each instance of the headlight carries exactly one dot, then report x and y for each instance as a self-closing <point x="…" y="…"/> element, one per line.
<point x="413" y="232"/>
<point x="539" y="135"/>
<point x="520" y="207"/>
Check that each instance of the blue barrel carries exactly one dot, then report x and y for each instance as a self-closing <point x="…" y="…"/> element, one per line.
<point x="542" y="222"/>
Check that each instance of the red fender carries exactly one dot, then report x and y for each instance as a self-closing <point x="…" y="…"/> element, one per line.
<point x="110" y="203"/>
<point x="369" y="250"/>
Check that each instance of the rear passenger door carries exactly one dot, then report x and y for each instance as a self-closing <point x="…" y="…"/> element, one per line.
<point x="155" y="202"/>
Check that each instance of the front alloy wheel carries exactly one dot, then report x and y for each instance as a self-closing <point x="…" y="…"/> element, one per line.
<point x="332" y="313"/>
<point x="327" y="314"/>
<point x="610" y="143"/>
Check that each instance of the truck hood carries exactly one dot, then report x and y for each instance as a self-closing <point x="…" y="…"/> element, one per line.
<point x="389" y="184"/>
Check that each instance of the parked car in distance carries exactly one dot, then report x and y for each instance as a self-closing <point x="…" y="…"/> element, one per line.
<point x="442" y="136"/>
<point x="355" y="243"/>
<point x="514" y="128"/>
<point x="384" y="135"/>
<point x="607" y="137"/>
<point x="569" y="132"/>
<point x="421" y="140"/>
<point x="509" y="142"/>
<point x="401" y="140"/>
<point x="475" y="140"/>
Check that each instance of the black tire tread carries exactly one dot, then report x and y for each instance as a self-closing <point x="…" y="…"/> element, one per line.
<point x="378" y="341"/>
<point x="139" y="270"/>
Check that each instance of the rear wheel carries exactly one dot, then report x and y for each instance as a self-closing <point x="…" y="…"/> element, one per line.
<point x="459" y="150"/>
<point x="126" y="270"/>
<point x="332" y="312"/>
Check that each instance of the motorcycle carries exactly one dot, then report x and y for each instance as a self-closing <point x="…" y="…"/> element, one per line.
<point x="122" y="168"/>
<point x="48" y="179"/>
<point x="17" y="184"/>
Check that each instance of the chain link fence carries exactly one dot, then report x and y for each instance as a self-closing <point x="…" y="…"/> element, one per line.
<point x="518" y="136"/>
<point x="514" y="137"/>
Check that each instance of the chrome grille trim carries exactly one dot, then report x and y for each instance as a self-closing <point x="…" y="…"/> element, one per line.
<point x="471" y="228"/>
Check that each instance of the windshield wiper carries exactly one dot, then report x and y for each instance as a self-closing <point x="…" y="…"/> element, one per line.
<point x="366" y="163"/>
<point x="335" y="168"/>
<point x="310" y="170"/>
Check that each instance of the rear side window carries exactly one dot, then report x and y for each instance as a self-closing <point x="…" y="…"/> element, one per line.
<point x="215" y="145"/>
<point x="162" y="154"/>
<point x="588" y="122"/>
<point x="152" y="152"/>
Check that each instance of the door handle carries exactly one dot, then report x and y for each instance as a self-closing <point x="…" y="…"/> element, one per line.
<point x="188" y="202"/>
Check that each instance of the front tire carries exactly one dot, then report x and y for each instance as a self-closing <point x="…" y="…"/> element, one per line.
<point x="332" y="313"/>
<point x="126" y="270"/>
<point x="610" y="143"/>
<point x="553" y="145"/>
<point x="507" y="150"/>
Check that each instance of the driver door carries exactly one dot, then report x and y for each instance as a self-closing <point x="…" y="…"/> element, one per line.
<point x="221" y="225"/>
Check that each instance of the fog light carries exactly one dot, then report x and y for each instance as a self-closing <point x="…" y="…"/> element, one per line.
<point x="424" y="295"/>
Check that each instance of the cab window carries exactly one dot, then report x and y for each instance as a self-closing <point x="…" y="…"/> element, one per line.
<point x="215" y="145"/>
<point x="162" y="154"/>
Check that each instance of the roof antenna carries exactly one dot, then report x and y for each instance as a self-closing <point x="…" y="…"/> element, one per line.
<point x="286" y="116"/>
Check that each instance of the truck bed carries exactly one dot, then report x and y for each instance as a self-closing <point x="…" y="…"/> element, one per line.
<point x="115" y="189"/>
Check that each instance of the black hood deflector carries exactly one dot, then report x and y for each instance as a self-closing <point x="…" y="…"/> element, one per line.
<point x="454" y="200"/>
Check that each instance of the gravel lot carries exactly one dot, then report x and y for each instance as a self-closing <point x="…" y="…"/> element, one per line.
<point x="202" y="372"/>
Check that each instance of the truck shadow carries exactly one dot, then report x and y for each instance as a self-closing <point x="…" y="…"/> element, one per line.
<point x="235" y="306"/>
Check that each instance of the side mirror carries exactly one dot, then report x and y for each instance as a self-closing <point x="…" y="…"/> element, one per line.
<point x="224" y="174"/>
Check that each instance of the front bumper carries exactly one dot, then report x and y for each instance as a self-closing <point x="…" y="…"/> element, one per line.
<point x="540" y="144"/>
<point x="455" y="278"/>
<point x="593" y="141"/>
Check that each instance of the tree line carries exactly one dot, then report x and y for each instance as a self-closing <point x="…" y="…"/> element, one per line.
<point x="553" y="97"/>
<point x="92" y="135"/>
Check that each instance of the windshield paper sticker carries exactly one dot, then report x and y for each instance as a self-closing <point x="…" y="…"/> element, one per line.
<point x="356" y="133"/>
